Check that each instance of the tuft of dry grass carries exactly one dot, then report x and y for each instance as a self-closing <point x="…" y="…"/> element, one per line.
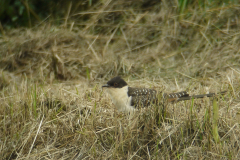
<point x="53" y="106"/>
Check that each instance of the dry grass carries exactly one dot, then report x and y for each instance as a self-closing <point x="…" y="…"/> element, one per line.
<point x="52" y="104"/>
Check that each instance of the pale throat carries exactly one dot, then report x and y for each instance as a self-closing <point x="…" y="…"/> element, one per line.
<point x="120" y="98"/>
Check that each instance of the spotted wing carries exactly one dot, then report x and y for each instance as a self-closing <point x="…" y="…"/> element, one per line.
<point x="142" y="97"/>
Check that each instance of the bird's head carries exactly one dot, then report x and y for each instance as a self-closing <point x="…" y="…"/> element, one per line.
<point x="116" y="82"/>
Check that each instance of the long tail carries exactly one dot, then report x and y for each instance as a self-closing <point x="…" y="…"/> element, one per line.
<point x="200" y="96"/>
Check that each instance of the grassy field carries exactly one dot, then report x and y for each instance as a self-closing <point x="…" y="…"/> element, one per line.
<point x="53" y="106"/>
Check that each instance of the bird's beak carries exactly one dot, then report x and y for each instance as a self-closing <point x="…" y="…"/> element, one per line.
<point x="105" y="85"/>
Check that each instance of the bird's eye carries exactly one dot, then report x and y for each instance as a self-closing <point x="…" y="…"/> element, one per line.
<point x="115" y="84"/>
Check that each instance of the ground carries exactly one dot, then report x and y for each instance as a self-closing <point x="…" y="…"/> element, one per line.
<point x="53" y="106"/>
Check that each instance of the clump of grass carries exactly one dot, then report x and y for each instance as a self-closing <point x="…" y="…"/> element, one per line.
<point x="53" y="106"/>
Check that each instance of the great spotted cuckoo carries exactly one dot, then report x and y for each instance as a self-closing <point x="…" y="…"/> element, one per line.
<point x="126" y="98"/>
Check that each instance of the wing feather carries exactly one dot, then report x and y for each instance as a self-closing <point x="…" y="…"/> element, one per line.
<point x="142" y="97"/>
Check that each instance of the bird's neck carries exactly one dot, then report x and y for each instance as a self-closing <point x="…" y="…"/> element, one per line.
<point x="120" y="98"/>
<point x="115" y="93"/>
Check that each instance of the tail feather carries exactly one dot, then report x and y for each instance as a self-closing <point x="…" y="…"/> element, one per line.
<point x="200" y="96"/>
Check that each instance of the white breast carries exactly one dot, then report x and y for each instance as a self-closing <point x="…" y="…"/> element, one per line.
<point x="120" y="98"/>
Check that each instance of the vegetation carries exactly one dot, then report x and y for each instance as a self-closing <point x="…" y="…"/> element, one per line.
<point x="52" y="103"/>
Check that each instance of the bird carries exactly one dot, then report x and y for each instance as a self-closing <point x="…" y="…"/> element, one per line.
<point x="127" y="98"/>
